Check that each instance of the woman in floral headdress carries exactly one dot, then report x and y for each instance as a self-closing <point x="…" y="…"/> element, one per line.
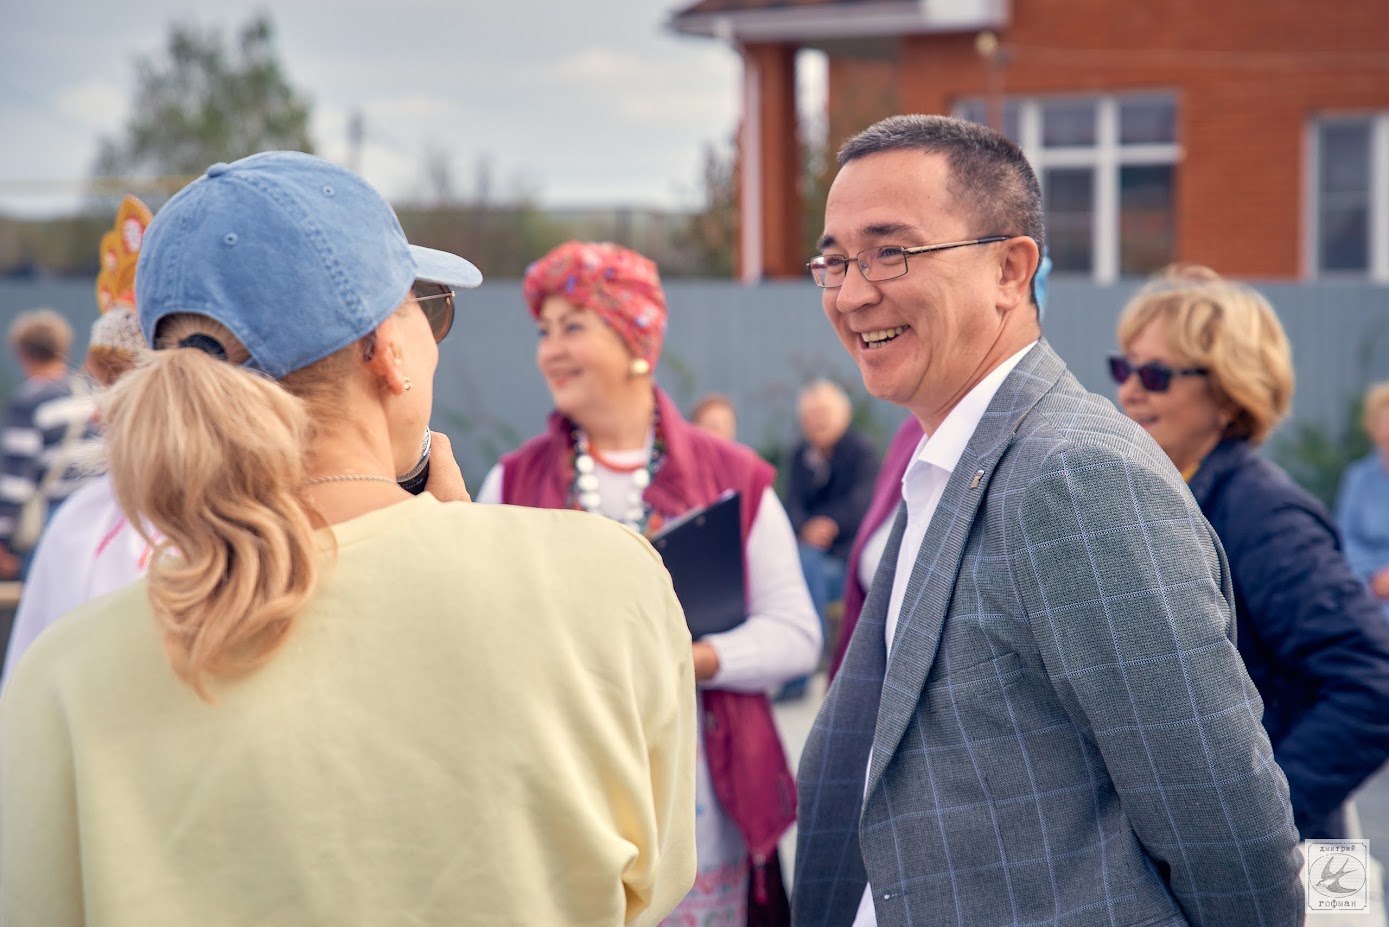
<point x="89" y="548"/>
<point x="617" y="446"/>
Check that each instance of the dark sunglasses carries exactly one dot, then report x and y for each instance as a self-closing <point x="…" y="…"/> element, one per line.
<point x="436" y="302"/>
<point x="1154" y="375"/>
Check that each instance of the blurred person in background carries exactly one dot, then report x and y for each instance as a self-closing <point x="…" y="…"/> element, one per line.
<point x="332" y="701"/>
<point x="617" y="446"/>
<point x="716" y="415"/>
<point x="1362" y="504"/>
<point x="829" y="486"/>
<point x="828" y="489"/>
<point x="89" y="547"/>
<point x="47" y="429"/>
<point x="1207" y="371"/>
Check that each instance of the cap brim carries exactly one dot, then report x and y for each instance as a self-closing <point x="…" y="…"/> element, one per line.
<point x="450" y="270"/>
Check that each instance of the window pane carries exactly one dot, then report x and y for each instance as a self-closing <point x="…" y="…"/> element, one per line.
<point x="1345" y="238"/>
<point x="1345" y="158"/>
<point x="1343" y="196"/>
<point x="972" y="111"/>
<point x="1144" y="120"/>
<point x="1068" y="123"/>
<point x="1010" y="122"/>
<point x="1147" y="218"/>
<point x="979" y="111"/>
<point x="1068" y="196"/>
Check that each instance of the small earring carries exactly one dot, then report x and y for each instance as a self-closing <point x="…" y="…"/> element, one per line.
<point x="409" y="385"/>
<point x="640" y="367"/>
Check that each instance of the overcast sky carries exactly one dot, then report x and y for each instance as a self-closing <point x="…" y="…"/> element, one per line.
<point x="580" y="102"/>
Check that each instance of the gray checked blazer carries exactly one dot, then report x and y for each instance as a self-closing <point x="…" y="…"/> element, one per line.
<point x="1065" y="734"/>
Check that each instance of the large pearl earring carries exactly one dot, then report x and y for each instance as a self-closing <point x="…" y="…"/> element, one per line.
<point x="640" y="367"/>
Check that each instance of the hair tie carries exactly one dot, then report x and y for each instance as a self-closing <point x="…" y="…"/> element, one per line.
<point x="204" y="342"/>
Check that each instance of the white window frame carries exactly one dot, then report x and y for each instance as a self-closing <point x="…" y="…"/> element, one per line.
<point x="1378" y="245"/>
<point x="1106" y="157"/>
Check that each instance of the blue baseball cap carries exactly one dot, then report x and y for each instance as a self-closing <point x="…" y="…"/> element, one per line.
<point x="297" y="256"/>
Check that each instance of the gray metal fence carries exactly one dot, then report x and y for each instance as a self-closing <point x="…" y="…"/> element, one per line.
<point x="758" y="344"/>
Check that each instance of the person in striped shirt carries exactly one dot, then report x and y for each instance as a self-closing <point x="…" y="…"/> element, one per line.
<point x="37" y="422"/>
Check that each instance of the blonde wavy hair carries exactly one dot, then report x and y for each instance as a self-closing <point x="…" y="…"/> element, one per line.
<point x="211" y="459"/>
<point x="1229" y="329"/>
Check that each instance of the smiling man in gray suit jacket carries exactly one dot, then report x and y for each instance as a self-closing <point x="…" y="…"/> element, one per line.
<point x="1042" y="717"/>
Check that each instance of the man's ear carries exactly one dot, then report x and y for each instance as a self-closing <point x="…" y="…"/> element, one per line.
<point x="1020" y="260"/>
<point x="387" y="361"/>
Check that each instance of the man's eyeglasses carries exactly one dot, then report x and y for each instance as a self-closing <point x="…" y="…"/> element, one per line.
<point x="436" y="301"/>
<point x="881" y="263"/>
<point x="1155" y="376"/>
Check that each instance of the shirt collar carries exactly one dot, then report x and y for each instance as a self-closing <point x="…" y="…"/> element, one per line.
<point x="946" y="445"/>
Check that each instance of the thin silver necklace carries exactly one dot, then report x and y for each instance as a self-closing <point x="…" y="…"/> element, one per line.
<point x="350" y="476"/>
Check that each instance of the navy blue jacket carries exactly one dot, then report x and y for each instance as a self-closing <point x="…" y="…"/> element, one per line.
<point x="842" y="491"/>
<point x="1315" y="642"/>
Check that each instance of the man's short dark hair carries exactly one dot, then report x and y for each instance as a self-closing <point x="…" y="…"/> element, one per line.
<point x="989" y="175"/>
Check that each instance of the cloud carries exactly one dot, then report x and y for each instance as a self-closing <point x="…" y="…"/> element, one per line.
<point x="588" y="102"/>
<point x="643" y="89"/>
<point x="598" y="67"/>
<point x="412" y="112"/>
<point x="99" y="104"/>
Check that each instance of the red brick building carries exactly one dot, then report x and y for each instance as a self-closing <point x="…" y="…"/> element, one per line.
<point x="1251" y="135"/>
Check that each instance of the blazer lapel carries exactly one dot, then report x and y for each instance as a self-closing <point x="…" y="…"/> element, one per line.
<point x="937" y="565"/>
<point x="835" y="760"/>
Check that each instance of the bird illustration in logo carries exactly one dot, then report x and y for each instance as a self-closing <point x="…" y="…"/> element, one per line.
<point x="1334" y="881"/>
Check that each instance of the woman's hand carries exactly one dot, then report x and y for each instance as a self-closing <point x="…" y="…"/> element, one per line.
<point x="445" y="479"/>
<point x="706" y="661"/>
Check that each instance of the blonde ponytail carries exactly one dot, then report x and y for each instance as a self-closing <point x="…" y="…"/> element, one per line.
<point x="211" y="458"/>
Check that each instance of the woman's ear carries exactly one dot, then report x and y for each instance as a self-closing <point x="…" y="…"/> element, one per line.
<point x="387" y="362"/>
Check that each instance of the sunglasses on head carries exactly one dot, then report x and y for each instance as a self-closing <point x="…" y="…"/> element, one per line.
<point x="436" y="302"/>
<point x="1155" y="376"/>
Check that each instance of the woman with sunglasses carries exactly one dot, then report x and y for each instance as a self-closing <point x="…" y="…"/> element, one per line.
<point x="1206" y="369"/>
<point x="332" y="701"/>
<point x="617" y="446"/>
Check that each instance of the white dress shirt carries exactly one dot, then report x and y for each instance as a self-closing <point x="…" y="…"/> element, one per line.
<point x="923" y="484"/>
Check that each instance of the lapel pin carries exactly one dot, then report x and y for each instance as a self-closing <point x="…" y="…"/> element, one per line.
<point x="978" y="475"/>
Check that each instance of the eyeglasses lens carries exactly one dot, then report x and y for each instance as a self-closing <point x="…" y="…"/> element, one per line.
<point x="1154" y="376"/>
<point x="437" y="304"/>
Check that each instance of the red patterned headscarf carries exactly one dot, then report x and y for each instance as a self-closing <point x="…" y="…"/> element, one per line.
<point x="620" y="285"/>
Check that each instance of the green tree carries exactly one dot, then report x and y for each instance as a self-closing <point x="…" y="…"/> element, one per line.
<point x="1317" y="455"/>
<point x="712" y="235"/>
<point x="201" y="102"/>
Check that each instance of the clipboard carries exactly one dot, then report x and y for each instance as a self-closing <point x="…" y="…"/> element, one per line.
<point x="703" y="551"/>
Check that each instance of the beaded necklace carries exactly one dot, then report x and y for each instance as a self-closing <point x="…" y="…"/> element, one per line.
<point x="585" y="489"/>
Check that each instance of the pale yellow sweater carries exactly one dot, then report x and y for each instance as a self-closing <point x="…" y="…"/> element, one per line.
<point x="486" y="717"/>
